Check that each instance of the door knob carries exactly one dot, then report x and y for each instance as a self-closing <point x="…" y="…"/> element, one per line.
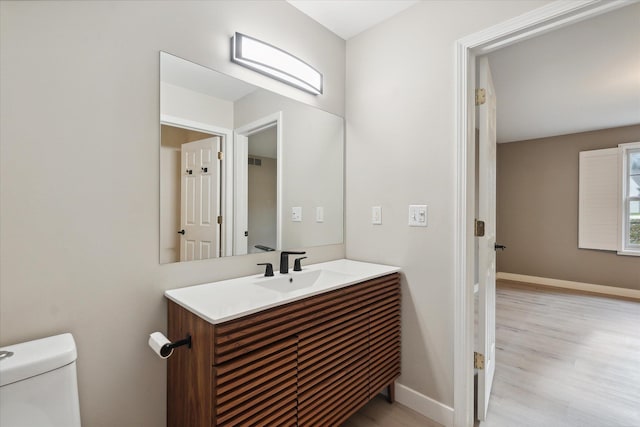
<point x="181" y="232"/>
<point x="497" y="246"/>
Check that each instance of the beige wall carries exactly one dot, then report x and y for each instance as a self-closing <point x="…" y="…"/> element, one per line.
<point x="537" y="212"/>
<point x="79" y="170"/>
<point x="401" y="150"/>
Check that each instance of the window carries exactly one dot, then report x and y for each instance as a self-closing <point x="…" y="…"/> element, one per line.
<point x="609" y="199"/>
<point x="630" y="159"/>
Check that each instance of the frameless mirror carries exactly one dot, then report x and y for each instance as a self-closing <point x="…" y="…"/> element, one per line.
<point x="242" y="169"/>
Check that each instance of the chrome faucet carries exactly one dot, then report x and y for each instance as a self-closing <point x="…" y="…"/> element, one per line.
<point x="284" y="260"/>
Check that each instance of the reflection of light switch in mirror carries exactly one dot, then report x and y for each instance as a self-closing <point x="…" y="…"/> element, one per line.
<point x="296" y="214"/>
<point x="376" y="215"/>
<point x="418" y="215"/>
<point x="319" y="214"/>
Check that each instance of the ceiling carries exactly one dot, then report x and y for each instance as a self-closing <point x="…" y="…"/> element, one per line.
<point x="579" y="78"/>
<point x="348" y="18"/>
<point x="195" y="77"/>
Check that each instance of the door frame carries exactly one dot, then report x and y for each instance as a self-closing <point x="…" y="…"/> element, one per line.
<point x="239" y="190"/>
<point x="226" y="172"/>
<point x="536" y="22"/>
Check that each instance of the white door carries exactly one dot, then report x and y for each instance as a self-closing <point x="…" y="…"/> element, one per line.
<point x="486" y="243"/>
<point x="200" y="200"/>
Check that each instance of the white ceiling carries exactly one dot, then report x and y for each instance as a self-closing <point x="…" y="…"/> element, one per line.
<point x="347" y="18"/>
<point x="579" y="78"/>
<point x="189" y="75"/>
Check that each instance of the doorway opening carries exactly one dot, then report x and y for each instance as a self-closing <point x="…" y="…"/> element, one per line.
<point x="257" y="186"/>
<point x="539" y="21"/>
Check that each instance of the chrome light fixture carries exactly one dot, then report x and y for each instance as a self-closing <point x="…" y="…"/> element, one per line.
<point x="275" y="62"/>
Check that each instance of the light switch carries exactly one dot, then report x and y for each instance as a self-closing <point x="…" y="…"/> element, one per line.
<point x="319" y="214"/>
<point x="376" y="215"/>
<point x="418" y="215"/>
<point x="296" y="214"/>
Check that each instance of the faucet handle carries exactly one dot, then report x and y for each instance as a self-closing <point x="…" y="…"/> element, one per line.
<point x="296" y="264"/>
<point x="268" y="272"/>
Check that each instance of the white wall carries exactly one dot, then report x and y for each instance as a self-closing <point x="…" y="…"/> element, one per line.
<point x="79" y="96"/>
<point x="401" y="151"/>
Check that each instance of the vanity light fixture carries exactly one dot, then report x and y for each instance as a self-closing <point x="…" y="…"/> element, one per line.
<point x="275" y="63"/>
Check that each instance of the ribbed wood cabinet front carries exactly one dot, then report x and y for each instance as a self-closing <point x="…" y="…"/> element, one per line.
<point x="313" y="362"/>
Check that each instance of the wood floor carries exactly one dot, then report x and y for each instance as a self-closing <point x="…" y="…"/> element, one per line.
<point x="379" y="413"/>
<point x="564" y="359"/>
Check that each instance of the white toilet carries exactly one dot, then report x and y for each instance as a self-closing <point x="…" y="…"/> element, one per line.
<point x="38" y="384"/>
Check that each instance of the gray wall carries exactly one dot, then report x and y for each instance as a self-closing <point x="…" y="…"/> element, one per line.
<point x="537" y="211"/>
<point x="401" y="150"/>
<point x="79" y="85"/>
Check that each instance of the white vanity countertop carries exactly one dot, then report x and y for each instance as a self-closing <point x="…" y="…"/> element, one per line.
<point x="226" y="300"/>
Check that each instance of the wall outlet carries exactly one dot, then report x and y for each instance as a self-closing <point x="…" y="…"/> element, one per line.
<point x="376" y="215"/>
<point x="417" y="215"/>
<point x="296" y="214"/>
<point x="319" y="214"/>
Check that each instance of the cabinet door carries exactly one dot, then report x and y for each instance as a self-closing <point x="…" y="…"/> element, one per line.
<point x="333" y="369"/>
<point x="384" y="338"/>
<point x="258" y="388"/>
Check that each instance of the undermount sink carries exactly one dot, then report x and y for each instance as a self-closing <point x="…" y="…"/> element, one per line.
<point x="300" y="280"/>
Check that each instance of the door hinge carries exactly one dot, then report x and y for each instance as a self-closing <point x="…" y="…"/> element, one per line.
<point x="481" y="96"/>
<point x="220" y="155"/>
<point x="219" y="219"/>
<point x="478" y="360"/>
<point x="478" y="228"/>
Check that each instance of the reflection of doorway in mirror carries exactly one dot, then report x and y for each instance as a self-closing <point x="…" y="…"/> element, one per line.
<point x="190" y="195"/>
<point x="262" y="190"/>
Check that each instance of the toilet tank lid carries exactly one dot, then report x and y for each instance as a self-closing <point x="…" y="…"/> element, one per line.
<point x="36" y="357"/>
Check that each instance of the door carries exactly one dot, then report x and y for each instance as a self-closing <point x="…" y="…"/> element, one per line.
<point x="486" y="244"/>
<point x="200" y="200"/>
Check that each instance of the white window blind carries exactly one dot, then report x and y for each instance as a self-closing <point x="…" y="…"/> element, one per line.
<point x="599" y="198"/>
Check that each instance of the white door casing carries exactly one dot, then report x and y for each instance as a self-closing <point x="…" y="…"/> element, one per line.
<point x="486" y="246"/>
<point x="200" y="200"/>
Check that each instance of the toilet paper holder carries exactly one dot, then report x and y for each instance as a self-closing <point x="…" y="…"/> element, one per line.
<point x="166" y="349"/>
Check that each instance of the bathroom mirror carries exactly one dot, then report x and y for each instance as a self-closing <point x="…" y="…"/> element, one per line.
<point x="243" y="169"/>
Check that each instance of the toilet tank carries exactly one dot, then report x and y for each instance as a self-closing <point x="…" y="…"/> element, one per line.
<point x="38" y="383"/>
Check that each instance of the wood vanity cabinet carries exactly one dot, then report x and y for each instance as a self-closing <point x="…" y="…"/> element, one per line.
<point x="312" y="362"/>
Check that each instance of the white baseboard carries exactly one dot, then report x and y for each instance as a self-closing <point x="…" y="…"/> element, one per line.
<point x="566" y="284"/>
<point x="424" y="405"/>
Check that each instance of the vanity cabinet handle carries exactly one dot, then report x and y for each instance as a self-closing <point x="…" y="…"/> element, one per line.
<point x="181" y="232"/>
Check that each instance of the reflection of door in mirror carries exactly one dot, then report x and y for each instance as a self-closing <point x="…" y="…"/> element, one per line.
<point x="191" y="193"/>
<point x="262" y="191"/>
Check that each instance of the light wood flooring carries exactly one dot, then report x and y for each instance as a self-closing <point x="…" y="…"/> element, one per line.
<point x="564" y="359"/>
